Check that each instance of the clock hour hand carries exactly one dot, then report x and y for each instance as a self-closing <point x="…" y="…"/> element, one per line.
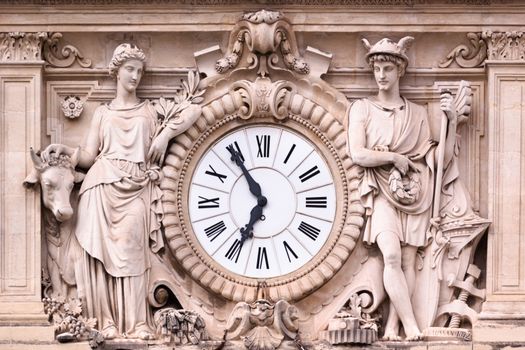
<point x="255" y="215"/>
<point x="255" y="188"/>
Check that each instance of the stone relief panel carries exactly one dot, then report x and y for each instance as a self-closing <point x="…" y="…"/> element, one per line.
<point x="263" y="83"/>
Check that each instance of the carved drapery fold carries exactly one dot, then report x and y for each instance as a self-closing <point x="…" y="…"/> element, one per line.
<point x="37" y="46"/>
<point x="494" y="46"/>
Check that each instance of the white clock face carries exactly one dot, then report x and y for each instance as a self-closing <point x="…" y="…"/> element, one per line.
<point x="297" y="218"/>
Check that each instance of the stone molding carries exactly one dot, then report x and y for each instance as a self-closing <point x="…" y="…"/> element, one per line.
<point x="487" y="46"/>
<point x="38" y="46"/>
<point x="266" y="2"/>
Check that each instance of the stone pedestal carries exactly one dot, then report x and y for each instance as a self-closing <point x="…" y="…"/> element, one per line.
<point x="503" y="314"/>
<point x="21" y="310"/>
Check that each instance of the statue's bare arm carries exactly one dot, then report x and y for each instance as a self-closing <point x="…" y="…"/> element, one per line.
<point x="357" y="143"/>
<point x="158" y="147"/>
<point x="87" y="153"/>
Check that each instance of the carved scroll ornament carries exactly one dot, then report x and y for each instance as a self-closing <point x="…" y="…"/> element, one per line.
<point x="64" y="57"/>
<point x="468" y="56"/>
<point x="494" y="46"/>
<point x="20" y="46"/>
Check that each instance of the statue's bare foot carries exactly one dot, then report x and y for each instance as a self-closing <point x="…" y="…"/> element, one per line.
<point x="145" y="335"/>
<point x="110" y="332"/>
<point x="391" y="336"/>
<point x="414" y="335"/>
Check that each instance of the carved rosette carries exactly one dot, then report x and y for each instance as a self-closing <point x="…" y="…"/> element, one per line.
<point x="24" y="47"/>
<point x="263" y="33"/>
<point x="72" y="107"/>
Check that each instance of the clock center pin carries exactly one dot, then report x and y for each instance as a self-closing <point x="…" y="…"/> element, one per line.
<point x="279" y="202"/>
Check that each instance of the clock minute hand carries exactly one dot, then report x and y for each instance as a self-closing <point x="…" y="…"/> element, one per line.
<point x="255" y="188"/>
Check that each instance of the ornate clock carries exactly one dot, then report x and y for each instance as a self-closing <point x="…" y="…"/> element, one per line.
<point x="260" y="194"/>
<point x="271" y="183"/>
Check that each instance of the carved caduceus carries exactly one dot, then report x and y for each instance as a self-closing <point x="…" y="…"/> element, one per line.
<point x="462" y="104"/>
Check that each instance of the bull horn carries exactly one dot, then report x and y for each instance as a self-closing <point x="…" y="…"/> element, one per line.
<point x="75" y="157"/>
<point x="37" y="162"/>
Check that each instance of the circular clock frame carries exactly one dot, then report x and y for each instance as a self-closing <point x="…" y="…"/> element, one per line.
<point x="292" y="286"/>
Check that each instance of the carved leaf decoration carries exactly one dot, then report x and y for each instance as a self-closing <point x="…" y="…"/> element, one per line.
<point x="90" y="323"/>
<point x="57" y="318"/>
<point x="73" y="307"/>
<point x="239" y="321"/>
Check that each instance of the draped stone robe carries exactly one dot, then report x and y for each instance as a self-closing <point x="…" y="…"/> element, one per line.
<point x="404" y="131"/>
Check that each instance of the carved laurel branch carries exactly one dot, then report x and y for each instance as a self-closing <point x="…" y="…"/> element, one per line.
<point x="217" y="114"/>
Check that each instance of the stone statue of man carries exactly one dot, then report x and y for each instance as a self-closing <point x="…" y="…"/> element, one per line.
<point x="390" y="138"/>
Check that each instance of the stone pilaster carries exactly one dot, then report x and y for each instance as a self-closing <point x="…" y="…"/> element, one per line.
<point x="21" y="310"/>
<point x="503" y="313"/>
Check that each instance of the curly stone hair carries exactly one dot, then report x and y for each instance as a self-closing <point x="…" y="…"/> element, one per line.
<point x="384" y="57"/>
<point x="122" y="53"/>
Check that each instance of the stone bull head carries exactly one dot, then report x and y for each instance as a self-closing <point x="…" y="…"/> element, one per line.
<point x="57" y="178"/>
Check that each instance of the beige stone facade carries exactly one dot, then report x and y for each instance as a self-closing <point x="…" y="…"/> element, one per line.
<point x="293" y="70"/>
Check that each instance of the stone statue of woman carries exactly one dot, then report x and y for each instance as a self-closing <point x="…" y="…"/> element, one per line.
<point x="120" y="208"/>
<point x="390" y="138"/>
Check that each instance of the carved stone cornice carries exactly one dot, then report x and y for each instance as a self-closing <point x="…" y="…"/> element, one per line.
<point x="261" y="2"/>
<point x="38" y="46"/>
<point x="493" y="46"/>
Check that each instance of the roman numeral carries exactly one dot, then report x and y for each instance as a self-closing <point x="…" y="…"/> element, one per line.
<point x="289" y="251"/>
<point x="216" y="174"/>
<point x="309" y="174"/>
<point x="263" y="144"/>
<point x="316" y="202"/>
<point x="215" y="230"/>
<point x="234" y="251"/>
<point x="309" y="230"/>
<point x="289" y="153"/>
<point x="238" y="149"/>
<point x="208" y="203"/>
<point x="262" y="257"/>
